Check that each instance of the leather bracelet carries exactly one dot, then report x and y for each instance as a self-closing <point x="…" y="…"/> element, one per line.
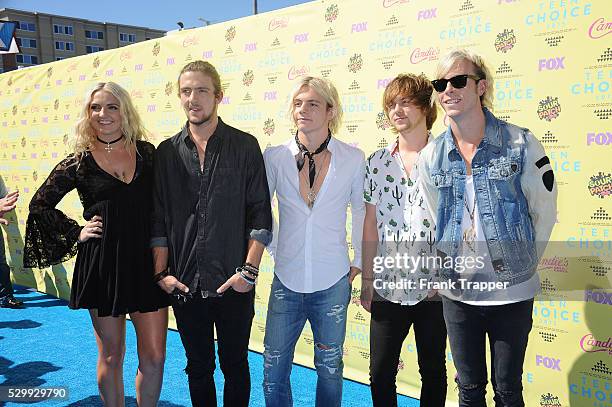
<point x="248" y="280"/>
<point x="161" y="275"/>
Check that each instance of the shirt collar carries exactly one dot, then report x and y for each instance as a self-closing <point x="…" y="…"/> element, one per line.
<point x="393" y="148"/>
<point x="292" y="145"/>
<point x="218" y="131"/>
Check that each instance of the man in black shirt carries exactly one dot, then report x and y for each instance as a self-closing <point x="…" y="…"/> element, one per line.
<point x="211" y="221"/>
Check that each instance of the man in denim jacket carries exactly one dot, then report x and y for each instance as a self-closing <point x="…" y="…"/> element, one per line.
<point x="495" y="194"/>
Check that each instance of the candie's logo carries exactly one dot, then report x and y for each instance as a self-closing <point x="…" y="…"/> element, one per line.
<point x="277" y="23"/>
<point x="600" y="28"/>
<point x="391" y="3"/>
<point x="355" y="63"/>
<point x="590" y="344"/>
<point x="419" y="55"/>
<point x="549" y="400"/>
<point x="230" y="34"/>
<point x="297" y="71"/>
<point x="125" y="55"/>
<point x="556" y="264"/>
<point x="505" y="41"/>
<point x="600" y="185"/>
<point x="331" y="14"/>
<point x="549" y="108"/>
<point x="190" y="41"/>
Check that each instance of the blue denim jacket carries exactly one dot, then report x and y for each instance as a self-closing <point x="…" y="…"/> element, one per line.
<point x="515" y="192"/>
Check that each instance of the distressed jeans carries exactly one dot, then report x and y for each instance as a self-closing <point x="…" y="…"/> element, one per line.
<point x="287" y="313"/>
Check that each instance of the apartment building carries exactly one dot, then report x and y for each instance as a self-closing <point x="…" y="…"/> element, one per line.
<point x="48" y="37"/>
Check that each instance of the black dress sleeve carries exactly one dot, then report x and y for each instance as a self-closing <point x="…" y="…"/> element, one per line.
<point x="51" y="236"/>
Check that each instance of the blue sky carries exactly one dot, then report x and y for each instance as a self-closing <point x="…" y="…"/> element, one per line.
<point x="161" y="15"/>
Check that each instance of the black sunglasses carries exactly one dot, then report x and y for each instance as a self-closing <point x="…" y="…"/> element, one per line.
<point x="458" y="82"/>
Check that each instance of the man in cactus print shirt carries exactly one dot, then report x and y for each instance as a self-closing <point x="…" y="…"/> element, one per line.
<point x="398" y="225"/>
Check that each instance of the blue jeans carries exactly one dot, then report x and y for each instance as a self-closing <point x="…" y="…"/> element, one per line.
<point x="287" y="313"/>
<point x="507" y="327"/>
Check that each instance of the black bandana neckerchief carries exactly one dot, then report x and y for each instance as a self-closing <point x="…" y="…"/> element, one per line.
<point x="305" y="153"/>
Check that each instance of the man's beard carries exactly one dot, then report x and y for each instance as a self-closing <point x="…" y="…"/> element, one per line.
<point x="204" y="120"/>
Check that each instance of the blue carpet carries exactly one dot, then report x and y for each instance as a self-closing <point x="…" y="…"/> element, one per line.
<point x="47" y="344"/>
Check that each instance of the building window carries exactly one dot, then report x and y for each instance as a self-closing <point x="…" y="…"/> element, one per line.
<point x="26" y="42"/>
<point x="62" y="29"/>
<point x="93" y="48"/>
<point x="94" y="35"/>
<point x="123" y="37"/>
<point x="59" y="58"/>
<point x="64" y="46"/>
<point x="25" y="26"/>
<point x="27" y="59"/>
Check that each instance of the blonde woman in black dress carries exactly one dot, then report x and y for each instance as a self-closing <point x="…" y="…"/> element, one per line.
<point x="111" y="169"/>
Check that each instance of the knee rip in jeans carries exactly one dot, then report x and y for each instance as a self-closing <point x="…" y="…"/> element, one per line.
<point x="331" y="357"/>
<point x="337" y="312"/>
<point x="271" y="357"/>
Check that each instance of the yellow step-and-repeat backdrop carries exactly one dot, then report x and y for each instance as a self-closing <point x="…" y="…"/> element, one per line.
<point x="552" y="62"/>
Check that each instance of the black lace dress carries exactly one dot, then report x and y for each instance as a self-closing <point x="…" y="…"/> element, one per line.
<point x="112" y="274"/>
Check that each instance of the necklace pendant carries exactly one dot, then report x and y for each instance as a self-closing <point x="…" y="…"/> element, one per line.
<point x="311" y="197"/>
<point x="108" y="148"/>
<point x="469" y="237"/>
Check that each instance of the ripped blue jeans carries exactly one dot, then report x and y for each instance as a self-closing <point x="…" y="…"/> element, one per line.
<point x="287" y="313"/>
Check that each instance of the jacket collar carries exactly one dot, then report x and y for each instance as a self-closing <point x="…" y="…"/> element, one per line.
<point x="492" y="134"/>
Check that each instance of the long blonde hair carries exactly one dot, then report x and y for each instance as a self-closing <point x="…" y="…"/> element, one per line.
<point x="131" y="124"/>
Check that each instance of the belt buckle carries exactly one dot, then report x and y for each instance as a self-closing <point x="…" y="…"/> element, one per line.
<point x="204" y="293"/>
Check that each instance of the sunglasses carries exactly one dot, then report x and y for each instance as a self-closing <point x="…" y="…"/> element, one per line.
<point x="458" y="82"/>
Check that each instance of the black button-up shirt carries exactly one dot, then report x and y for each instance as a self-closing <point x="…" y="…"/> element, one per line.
<point x="206" y="216"/>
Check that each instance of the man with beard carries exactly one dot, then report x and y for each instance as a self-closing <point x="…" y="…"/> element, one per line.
<point x="212" y="219"/>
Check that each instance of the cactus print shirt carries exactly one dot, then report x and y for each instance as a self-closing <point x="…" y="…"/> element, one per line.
<point x="406" y="231"/>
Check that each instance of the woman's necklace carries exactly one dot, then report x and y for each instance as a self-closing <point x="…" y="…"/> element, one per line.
<point x="108" y="147"/>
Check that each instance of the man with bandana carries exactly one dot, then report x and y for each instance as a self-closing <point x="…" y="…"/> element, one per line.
<point x="315" y="177"/>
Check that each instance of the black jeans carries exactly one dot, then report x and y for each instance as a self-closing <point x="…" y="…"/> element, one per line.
<point x="6" y="288"/>
<point x="231" y="315"/>
<point x="507" y="327"/>
<point x="389" y="326"/>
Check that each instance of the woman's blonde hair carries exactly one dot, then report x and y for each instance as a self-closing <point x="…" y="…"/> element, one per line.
<point x="131" y="124"/>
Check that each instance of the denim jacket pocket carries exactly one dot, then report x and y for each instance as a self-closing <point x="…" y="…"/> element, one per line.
<point x="504" y="169"/>
<point x="503" y="173"/>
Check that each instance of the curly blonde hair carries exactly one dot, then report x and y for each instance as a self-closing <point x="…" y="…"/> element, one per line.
<point x="131" y="124"/>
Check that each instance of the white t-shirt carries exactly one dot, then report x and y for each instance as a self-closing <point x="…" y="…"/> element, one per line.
<point x="516" y="293"/>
